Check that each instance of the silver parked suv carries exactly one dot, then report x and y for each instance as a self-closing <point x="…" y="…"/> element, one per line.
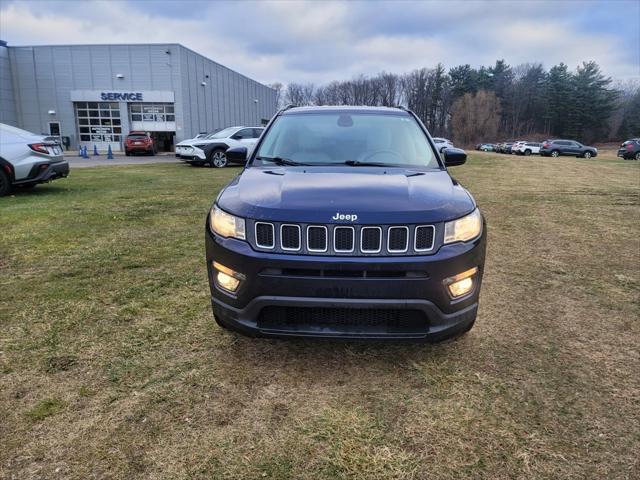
<point x="27" y="159"/>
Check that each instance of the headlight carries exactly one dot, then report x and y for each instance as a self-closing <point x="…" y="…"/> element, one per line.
<point x="226" y="225"/>
<point x="463" y="229"/>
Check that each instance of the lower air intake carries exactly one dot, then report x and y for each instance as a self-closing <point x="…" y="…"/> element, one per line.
<point x="343" y="320"/>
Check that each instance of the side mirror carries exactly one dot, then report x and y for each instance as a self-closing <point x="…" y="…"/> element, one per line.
<point x="237" y="154"/>
<point x="454" y="157"/>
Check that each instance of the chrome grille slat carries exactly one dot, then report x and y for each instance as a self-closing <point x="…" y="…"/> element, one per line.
<point x="424" y="238"/>
<point x="265" y="231"/>
<point x="317" y="238"/>
<point x="365" y="233"/>
<point x="344" y="239"/>
<point x="397" y="236"/>
<point x="290" y="237"/>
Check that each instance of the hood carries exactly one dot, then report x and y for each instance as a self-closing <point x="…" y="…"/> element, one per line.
<point x="376" y="195"/>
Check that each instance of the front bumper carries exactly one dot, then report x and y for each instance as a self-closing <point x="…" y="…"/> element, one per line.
<point x="405" y="296"/>
<point x="192" y="155"/>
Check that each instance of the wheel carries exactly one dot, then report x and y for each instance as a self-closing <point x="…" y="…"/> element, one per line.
<point x="527" y="152"/>
<point x="637" y="156"/>
<point x="5" y="184"/>
<point x="217" y="158"/>
<point x="555" y="154"/>
<point x="587" y="155"/>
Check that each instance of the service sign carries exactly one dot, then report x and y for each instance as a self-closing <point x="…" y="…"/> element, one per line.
<point x="125" y="96"/>
<point x="121" y="96"/>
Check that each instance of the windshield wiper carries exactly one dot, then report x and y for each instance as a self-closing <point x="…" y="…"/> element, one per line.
<point x="357" y="163"/>
<point x="281" y="161"/>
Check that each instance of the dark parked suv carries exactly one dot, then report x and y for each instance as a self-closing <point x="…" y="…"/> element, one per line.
<point x="555" y="148"/>
<point x="630" y="150"/>
<point x="345" y="223"/>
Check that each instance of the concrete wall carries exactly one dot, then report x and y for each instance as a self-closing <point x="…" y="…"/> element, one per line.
<point x="42" y="78"/>
<point x="7" y="100"/>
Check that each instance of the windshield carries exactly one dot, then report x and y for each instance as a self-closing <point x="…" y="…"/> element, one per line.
<point x="354" y="138"/>
<point x="227" y="132"/>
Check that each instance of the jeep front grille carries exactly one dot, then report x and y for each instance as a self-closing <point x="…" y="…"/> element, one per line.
<point x="344" y="240"/>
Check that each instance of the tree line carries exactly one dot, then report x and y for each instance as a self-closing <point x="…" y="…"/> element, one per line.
<point x="493" y="103"/>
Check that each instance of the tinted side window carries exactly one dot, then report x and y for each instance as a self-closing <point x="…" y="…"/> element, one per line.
<point x="257" y="132"/>
<point x="562" y="143"/>
<point x="244" y="133"/>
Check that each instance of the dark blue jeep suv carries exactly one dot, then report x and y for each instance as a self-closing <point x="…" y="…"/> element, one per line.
<point x="345" y="223"/>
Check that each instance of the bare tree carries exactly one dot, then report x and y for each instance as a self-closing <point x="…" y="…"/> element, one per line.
<point x="299" y="94"/>
<point x="277" y="86"/>
<point x="476" y="117"/>
<point x="389" y="88"/>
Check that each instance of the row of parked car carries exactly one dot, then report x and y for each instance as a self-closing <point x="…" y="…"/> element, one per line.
<point x="548" y="148"/>
<point x="629" y="150"/>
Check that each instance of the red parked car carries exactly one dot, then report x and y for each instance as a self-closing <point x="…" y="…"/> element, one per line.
<point x="139" y="142"/>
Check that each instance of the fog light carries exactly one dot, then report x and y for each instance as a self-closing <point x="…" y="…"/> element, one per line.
<point x="462" y="283"/>
<point x="226" y="278"/>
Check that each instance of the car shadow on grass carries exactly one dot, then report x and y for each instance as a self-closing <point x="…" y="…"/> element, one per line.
<point x="38" y="191"/>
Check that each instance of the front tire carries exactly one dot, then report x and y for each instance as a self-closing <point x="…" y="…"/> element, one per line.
<point x="527" y="153"/>
<point x="555" y="154"/>
<point x="637" y="156"/>
<point x="586" y="155"/>
<point x="217" y="158"/>
<point x="5" y="184"/>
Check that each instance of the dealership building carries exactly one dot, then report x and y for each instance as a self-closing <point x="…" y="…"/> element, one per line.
<point x="96" y="94"/>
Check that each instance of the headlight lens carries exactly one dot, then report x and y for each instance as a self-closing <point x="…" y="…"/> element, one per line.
<point x="463" y="229"/>
<point x="226" y="225"/>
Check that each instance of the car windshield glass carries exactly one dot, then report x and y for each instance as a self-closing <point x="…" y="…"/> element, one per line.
<point x="227" y="132"/>
<point x="348" y="139"/>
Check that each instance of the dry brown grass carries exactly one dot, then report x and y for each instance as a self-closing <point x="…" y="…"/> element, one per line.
<point x="111" y="366"/>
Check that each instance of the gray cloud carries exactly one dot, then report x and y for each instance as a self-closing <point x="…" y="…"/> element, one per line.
<point x="321" y="41"/>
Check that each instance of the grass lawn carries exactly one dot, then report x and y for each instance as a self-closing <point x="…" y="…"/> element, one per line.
<point x="112" y="367"/>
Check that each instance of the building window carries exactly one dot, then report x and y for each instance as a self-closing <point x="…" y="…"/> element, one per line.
<point x="152" y="112"/>
<point x="98" y="122"/>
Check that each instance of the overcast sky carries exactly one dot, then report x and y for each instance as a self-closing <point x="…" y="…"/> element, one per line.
<point x="316" y="42"/>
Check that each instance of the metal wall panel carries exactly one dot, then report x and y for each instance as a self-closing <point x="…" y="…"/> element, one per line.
<point x="42" y="78"/>
<point x="8" y="112"/>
